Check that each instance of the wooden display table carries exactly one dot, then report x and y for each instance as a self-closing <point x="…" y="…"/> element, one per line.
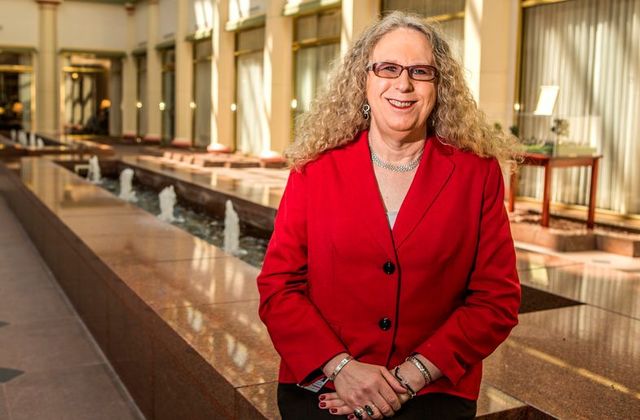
<point x="548" y="163"/>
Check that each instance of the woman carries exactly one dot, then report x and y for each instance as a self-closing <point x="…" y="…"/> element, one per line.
<point x="391" y="270"/>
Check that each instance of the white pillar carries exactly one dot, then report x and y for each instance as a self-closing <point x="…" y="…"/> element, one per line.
<point x="356" y="16"/>
<point x="277" y="76"/>
<point x="129" y="79"/>
<point x="490" y="36"/>
<point x="184" y="77"/>
<point x="154" y="75"/>
<point x="47" y="88"/>
<point x="222" y="79"/>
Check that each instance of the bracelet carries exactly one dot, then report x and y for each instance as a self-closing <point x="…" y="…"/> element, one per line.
<point x="404" y="383"/>
<point x="422" y="368"/>
<point x="338" y="368"/>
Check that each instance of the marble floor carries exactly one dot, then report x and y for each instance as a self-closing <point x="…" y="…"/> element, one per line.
<point x="50" y="367"/>
<point x="577" y="360"/>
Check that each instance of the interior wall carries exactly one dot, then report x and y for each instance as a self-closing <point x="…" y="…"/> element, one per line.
<point x="20" y="27"/>
<point x="167" y="19"/>
<point x="106" y="31"/>
<point x="142" y="23"/>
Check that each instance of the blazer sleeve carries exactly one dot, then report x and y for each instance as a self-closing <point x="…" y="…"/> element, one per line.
<point x="299" y="333"/>
<point x="475" y="329"/>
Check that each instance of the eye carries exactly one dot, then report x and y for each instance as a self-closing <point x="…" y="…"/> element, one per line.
<point x="389" y="68"/>
<point x="423" y="72"/>
<point x="420" y="71"/>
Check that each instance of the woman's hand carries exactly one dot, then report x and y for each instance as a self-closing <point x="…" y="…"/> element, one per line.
<point x="362" y="384"/>
<point x="332" y="402"/>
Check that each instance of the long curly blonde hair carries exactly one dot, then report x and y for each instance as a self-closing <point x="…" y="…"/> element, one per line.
<point x="335" y="116"/>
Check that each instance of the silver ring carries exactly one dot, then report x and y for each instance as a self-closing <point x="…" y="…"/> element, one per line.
<point x="369" y="410"/>
<point x="359" y="413"/>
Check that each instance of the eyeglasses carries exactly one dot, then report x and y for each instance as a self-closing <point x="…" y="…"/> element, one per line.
<point x="420" y="72"/>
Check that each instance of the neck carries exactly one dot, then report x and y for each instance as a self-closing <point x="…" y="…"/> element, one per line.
<point x="396" y="149"/>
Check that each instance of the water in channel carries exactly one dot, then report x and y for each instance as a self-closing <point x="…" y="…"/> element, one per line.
<point x="196" y="223"/>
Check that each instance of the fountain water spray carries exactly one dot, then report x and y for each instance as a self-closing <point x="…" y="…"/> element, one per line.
<point x="22" y="138"/>
<point x="232" y="231"/>
<point x="126" y="188"/>
<point x="167" y="201"/>
<point x="39" y="143"/>
<point x="14" y="135"/>
<point x="94" y="174"/>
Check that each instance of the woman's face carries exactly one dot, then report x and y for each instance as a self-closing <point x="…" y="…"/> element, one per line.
<point x="400" y="107"/>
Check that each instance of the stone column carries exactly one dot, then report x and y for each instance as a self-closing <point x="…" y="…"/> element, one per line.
<point x="356" y="15"/>
<point x="490" y="32"/>
<point x="184" y="78"/>
<point x="129" y="79"/>
<point x="222" y="79"/>
<point x="154" y="75"/>
<point x="277" y="79"/>
<point x="47" y="72"/>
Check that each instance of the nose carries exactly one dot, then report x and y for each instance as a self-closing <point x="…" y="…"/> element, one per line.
<point x="404" y="82"/>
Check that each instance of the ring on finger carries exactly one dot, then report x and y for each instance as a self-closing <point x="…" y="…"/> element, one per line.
<point x="369" y="410"/>
<point x="359" y="413"/>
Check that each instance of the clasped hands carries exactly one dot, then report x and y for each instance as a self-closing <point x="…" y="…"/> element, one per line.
<point x="372" y="388"/>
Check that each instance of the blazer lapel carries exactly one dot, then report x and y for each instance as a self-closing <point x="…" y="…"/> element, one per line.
<point x="365" y="196"/>
<point x="434" y="172"/>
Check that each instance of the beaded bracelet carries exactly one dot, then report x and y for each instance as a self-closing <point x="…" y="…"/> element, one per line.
<point x="404" y="383"/>
<point x="422" y="368"/>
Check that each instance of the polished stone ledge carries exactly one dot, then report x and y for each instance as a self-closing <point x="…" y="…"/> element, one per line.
<point x="176" y="316"/>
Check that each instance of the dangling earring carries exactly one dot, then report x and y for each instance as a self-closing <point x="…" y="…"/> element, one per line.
<point x="366" y="109"/>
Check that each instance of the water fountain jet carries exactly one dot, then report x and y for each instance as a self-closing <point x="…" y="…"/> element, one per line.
<point x="232" y="231"/>
<point x="94" y="174"/>
<point x="167" y="199"/>
<point x="126" y="188"/>
<point x="22" y="138"/>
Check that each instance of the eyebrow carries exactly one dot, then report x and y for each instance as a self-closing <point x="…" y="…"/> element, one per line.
<point x="396" y="62"/>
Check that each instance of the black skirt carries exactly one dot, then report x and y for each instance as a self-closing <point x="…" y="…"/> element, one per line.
<point x="296" y="403"/>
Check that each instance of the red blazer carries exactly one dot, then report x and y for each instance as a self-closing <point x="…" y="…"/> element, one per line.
<point x="442" y="283"/>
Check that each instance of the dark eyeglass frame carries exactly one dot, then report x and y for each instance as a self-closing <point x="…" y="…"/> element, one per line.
<point x="375" y="67"/>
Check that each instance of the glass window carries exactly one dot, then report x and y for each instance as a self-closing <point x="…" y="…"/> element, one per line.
<point x="251" y="119"/>
<point x="141" y="115"/>
<point x="167" y="106"/>
<point x="242" y="9"/>
<point x="324" y="25"/>
<point x="16" y="81"/>
<point x="202" y="92"/>
<point x="317" y="47"/>
<point x="425" y="8"/>
<point x="585" y="50"/>
<point x="86" y="94"/>
<point x="250" y="40"/>
<point x="447" y="12"/>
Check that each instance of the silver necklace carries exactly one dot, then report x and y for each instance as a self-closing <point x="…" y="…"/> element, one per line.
<point x="394" y="167"/>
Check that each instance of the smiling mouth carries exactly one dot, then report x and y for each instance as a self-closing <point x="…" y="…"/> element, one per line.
<point x="401" y="104"/>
